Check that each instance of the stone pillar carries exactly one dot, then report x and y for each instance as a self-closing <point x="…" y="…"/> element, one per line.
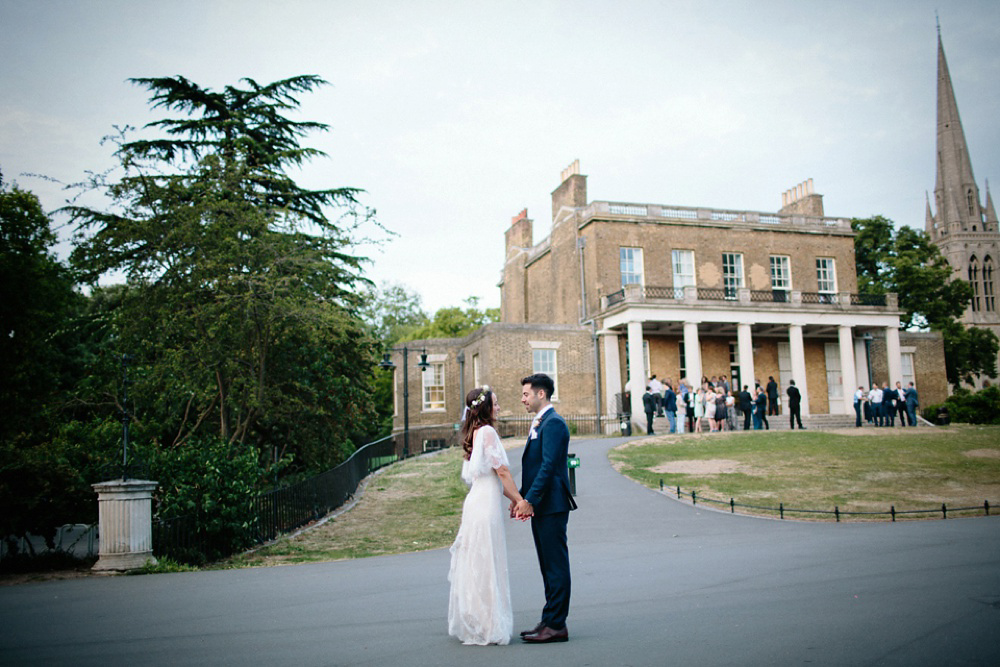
<point x="895" y="356"/>
<point x="636" y="374"/>
<point x="848" y="374"/>
<point x="745" y="343"/>
<point x="612" y="373"/>
<point x="799" y="364"/>
<point x="692" y="354"/>
<point x="125" y="511"/>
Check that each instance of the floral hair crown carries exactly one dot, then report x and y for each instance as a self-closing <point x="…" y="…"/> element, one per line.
<point x="482" y="396"/>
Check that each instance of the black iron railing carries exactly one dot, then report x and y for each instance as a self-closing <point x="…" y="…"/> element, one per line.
<point x="836" y="512"/>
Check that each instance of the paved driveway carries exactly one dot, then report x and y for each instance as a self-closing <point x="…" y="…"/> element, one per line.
<point x="656" y="582"/>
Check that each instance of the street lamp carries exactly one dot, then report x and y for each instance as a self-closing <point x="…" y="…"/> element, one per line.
<point x="386" y="364"/>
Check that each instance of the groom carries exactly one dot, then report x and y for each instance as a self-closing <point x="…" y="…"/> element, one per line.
<point x="548" y="501"/>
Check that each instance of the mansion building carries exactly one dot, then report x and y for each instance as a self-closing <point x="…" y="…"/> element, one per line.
<point x="619" y="291"/>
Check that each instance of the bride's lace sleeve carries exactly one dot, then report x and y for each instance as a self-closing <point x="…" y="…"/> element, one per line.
<point x="494" y="454"/>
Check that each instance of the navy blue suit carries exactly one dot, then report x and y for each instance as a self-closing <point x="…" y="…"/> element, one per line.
<point x="545" y="484"/>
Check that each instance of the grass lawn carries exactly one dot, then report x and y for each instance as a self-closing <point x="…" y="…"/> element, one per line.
<point x="865" y="470"/>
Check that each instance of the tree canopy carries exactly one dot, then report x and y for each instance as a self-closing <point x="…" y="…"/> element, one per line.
<point x="905" y="261"/>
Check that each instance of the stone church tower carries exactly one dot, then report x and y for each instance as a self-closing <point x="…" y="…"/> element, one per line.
<point x="960" y="224"/>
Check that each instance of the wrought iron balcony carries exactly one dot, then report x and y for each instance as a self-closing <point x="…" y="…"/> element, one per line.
<point x="707" y="296"/>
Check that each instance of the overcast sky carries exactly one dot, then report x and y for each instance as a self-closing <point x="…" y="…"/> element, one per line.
<point x="453" y="116"/>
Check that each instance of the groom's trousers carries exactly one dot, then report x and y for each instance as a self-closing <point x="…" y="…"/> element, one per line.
<point x="549" y="531"/>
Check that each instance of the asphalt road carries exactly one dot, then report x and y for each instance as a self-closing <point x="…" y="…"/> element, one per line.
<point x="656" y="582"/>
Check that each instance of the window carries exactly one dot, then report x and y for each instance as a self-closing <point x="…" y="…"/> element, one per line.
<point x="475" y="371"/>
<point x="433" y="383"/>
<point x="543" y="360"/>
<point x="781" y="279"/>
<point x="989" y="298"/>
<point x="907" y="365"/>
<point x="826" y="275"/>
<point x="974" y="281"/>
<point x="732" y="273"/>
<point x="683" y="261"/>
<point x="631" y="266"/>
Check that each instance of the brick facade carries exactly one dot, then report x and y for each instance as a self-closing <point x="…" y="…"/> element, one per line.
<point x="565" y="294"/>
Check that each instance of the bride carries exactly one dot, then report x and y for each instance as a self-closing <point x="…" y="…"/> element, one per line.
<point x="479" y="609"/>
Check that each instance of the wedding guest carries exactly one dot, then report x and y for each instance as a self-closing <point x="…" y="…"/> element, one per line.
<point x="911" y="403"/>
<point x="746" y="407"/>
<point x="859" y="399"/>
<point x="901" y="404"/>
<point x="794" y="405"/>
<point x="772" y="396"/>
<point x="670" y="406"/>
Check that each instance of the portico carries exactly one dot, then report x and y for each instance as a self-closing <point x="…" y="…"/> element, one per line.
<point x="814" y="344"/>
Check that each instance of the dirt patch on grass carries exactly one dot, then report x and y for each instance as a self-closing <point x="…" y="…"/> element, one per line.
<point x="983" y="453"/>
<point x="703" y="467"/>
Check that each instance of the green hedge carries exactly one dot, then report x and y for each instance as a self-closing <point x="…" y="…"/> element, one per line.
<point x="966" y="407"/>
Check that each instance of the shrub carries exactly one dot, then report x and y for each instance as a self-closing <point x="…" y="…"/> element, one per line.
<point x="966" y="407"/>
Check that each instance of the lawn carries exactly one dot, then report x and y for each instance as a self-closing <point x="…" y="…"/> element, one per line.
<point x="856" y="471"/>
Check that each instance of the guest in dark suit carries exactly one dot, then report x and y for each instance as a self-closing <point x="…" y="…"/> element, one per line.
<point x="649" y="406"/>
<point x="888" y="405"/>
<point x="548" y="501"/>
<point x="746" y="406"/>
<point x="772" y="396"/>
<point x="911" y="403"/>
<point x="794" y="405"/>
<point x="901" y="404"/>
<point x="670" y="406"/>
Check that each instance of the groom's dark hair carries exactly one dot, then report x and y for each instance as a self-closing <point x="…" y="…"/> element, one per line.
<point x="541" y="381"/>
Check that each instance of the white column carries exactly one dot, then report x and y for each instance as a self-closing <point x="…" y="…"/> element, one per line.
<point x="848" y="374"/>
<point x="692" y="354"/>
<point x="798" y="353"/>
<point x="895" y="356"/>
<point x="612" y="373"/>
<point x="636" y="374"/>
<point x="745" y="342"/>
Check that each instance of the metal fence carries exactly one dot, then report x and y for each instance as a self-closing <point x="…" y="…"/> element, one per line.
<point x="836" y="512"/>
<point x="286" y="508"/>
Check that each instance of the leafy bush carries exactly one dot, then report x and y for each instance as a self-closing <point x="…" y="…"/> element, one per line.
<point x="966" y="407"/>
<point x="212" y="485"/>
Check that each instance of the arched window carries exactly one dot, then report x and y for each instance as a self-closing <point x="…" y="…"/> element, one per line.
<point x="989" y="296"/>
<point x="974" y="282"/>
<point x="971" y="201"/>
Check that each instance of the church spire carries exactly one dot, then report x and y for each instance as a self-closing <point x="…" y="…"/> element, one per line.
<point x="956" y="196"/>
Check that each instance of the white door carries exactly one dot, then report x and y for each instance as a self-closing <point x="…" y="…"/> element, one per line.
<point x="834" y="379"/>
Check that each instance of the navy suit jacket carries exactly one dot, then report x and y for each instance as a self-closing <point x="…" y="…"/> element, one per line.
<point x="544" y="470"/>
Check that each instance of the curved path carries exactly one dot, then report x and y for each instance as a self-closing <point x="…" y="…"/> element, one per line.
<point x="656" y="582"/>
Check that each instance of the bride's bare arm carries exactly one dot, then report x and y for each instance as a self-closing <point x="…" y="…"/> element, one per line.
<point x="509" y="488"/>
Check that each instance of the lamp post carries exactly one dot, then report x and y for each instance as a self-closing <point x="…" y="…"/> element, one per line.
<point x="386" y="364"/>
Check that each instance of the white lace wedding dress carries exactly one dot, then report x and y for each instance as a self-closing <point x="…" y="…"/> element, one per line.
<point x="479" y="610"/>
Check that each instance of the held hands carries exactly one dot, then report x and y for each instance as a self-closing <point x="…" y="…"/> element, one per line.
<point x="521" y="510"/>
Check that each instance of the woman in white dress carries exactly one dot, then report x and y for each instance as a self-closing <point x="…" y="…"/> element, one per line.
<point x="479" y="609"/>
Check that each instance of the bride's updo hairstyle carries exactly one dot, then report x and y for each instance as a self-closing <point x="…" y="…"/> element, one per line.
<point x="479" y="412"/>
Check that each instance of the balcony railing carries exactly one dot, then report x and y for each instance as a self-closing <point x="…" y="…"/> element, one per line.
<point x="743" y="296"/>
<point x="659" y="212"/>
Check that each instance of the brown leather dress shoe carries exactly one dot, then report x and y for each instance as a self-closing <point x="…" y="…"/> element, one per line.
<point x="534" y="630"/>
<point x="546" y="636"/>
